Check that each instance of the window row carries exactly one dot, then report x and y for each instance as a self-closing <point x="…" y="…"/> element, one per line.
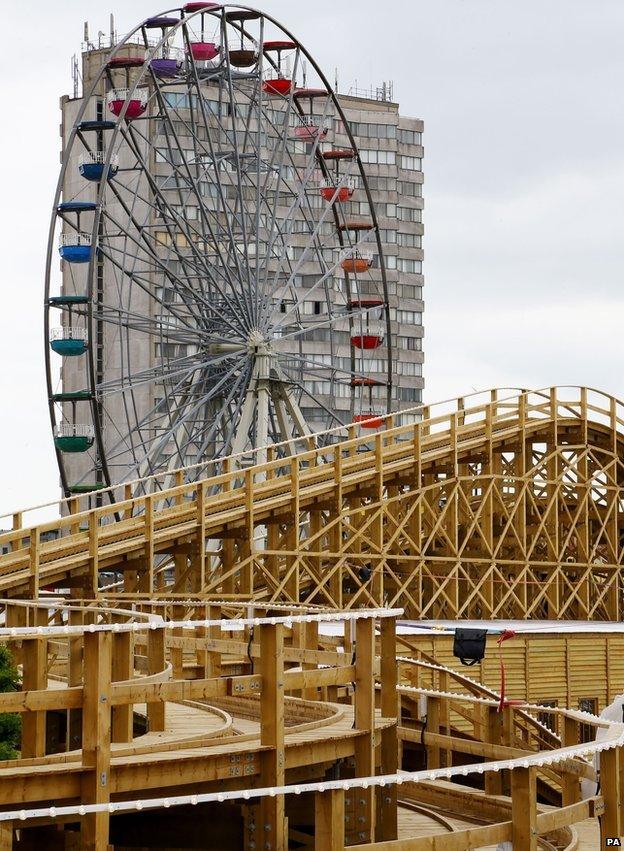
<point x="378" y="157"/>
<point x="411" y="163"/>
<point x="372" y="131"/>
<point x="409" y="189"/>
<point x="412" y="344"/>
<point x="410" y="137"/>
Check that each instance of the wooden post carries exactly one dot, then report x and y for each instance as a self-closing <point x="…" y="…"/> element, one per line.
<point x="274" y="835"/>
<point x="6" y="836"/>
<point x="570" y="789"/>
<point x="147" y="583"/>
<point x="92" y="583"/>
<point x="524" y="809"/>
<point x="34" y="547"/>
<point x="213" y="658"/>
<point x="199" y="578"/>
<point x="155" y="664"/>
<point x="176" y="654"/>
<point x="433" y="726"/>
<point x="96" y="720"/>
<point x="310" y="635"/>
<point x="329" y="821"/>
<point x="610" y="823"/>
<point x="365" y="725"/>
<point x="74" y="731"/>
<point x="123" y="669"/>
<point x="387" y="825"/>
<point x="493" y="731"/>
<point x="34" y="678"/>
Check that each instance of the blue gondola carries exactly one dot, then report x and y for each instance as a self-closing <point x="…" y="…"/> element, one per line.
<point x="76" y="207"/>
<point x="75" y="253"/>
<point x="93" y="167"/>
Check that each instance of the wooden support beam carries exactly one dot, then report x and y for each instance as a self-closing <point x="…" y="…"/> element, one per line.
<point x="34" y="677"/>
<point x="96" y="729"/>
<point x="364" y="827"/>
<point x="610" y="822"/>
<point x="524" y="809"/>
<point x="274" y="834"/>
<point x="570" y="789"/>
<point x="6" y="836"/>
<point x="34" y="555"/>
<point x="329" y="821"/>
<point x="156" y="662"/>
<point x="387" y="814"/>
<point x="123" y="670"/>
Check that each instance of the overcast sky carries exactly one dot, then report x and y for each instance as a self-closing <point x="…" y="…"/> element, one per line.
<point x="524" y="186"/>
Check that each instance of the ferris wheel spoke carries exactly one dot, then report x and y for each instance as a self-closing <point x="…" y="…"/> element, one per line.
<point x="176" y="421"/>
<point x="185" y="365"/>
<point x="308" y="365"/>
<point x="221" y="267"/>
<point x="226" y="417"/>
<point x="301" y="195"/>
<point x="188" y="293"/>
<point x="183" y="415"/>
<point x="221" y="194"/>
<point x="237" y="155"/>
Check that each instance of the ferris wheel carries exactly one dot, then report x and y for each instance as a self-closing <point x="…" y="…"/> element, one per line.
<point x="222" y="283"/>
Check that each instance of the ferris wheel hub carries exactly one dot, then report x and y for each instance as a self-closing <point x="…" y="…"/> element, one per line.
<point x="257" y="342"/>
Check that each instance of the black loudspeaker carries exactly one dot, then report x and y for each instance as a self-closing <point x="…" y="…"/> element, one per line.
<point x="469" y="645"/>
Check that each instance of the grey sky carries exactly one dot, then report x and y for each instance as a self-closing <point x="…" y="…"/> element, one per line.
<point x="524" y="186"/>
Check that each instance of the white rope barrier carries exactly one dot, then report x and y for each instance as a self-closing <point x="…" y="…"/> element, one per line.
<point x="225" y="625"/>
<point x="540" y="760"/>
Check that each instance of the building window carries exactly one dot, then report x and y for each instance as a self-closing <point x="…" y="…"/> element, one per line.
<point x="391" y="262"/>
<point x="410" y="189"/>
<point x="587" y="732"/>
<point x="378" y="157"/>
<point x="409" y="317"/>
<point x="407" y="291"/>
<point x="382" y="184"/>
<point x="411" y="163"/>
<point x="412" y="344"/>
<point x="409" y="214"/>
<point x="410" y="137"/>
<point x="410" y="240"/>
<point x="409" y="394"/>
<point x="368" y="130"/>
<point x="410" y="267"/>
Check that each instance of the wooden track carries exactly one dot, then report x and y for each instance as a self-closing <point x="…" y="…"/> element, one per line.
<point x="506" y="508"/>
<point x="235" y="707"/>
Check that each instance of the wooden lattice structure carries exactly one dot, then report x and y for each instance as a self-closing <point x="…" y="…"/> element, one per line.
<point x="509" y="507"/>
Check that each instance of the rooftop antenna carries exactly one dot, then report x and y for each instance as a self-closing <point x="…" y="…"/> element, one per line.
<point x="336" y="80"/>
<point x="112" y="30"/>
<point x="74" y="67"/>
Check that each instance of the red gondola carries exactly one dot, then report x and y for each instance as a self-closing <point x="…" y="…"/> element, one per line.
<point x="368" y="420"/>
<point x="367" y="341"/>
<point x="277" y="86"/>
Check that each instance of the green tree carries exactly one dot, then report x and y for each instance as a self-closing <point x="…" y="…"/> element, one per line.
<point x="10" y="723"/>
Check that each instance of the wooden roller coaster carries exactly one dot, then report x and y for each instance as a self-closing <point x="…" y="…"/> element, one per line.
<point x="509" y="507"/>
<point x="210" y="658"/>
